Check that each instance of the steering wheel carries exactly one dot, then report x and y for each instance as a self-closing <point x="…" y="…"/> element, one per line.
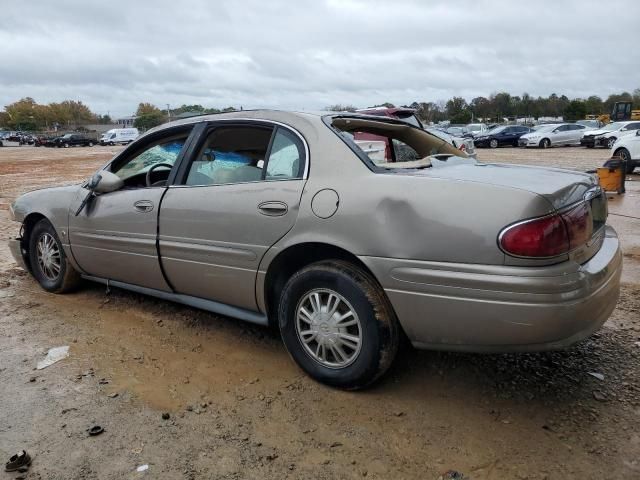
<point x="148" y="177"/>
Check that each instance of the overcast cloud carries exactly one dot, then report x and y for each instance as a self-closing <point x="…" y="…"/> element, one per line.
<point x="310" y="54"/>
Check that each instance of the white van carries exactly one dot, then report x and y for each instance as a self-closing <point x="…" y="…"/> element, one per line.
<point x="119" y="135"/>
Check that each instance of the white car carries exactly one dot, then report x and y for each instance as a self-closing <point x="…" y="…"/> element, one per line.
<point x="545" y="136"/>
<point x="628" y="148"/>
<point x="607" y="135"/>
<point x="477" y="128"/>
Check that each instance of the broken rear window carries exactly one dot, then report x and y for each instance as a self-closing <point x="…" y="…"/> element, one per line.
<point x="391" y="144"/>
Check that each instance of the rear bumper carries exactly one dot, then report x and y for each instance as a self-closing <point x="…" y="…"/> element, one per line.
<point x="485" y="308"/>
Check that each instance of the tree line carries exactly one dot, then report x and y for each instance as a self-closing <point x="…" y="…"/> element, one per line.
<point x="27" y="114"/>
<point x="499" y="106"/>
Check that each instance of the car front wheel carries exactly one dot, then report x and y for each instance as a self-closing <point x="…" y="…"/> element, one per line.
<point x="493" y="143"/>
<point x="49" y="264"/>
<point x="338" y="325"/>
<point x="545" y="143"/>
<point x="610" y="142"/>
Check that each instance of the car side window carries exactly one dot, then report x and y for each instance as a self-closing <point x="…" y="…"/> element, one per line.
<point x="286" y="157"/>
<point x="633" y="126"/>
<point x="231" y="155"/>
<point x="166" y="151"/>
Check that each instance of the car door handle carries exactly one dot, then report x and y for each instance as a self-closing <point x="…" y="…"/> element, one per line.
<point x="143" y="206"/>
<point x="273" y="209"/>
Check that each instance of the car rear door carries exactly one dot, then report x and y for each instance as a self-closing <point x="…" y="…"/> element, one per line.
<point x="576" y="131"/>
<point x="114" y="236"/>
<point x="239" y="194"/>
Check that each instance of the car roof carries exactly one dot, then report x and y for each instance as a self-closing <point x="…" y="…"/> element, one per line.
<point x="288" y="117"/>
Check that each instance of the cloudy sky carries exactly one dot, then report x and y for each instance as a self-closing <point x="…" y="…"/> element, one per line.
<point x="310" y="54"/>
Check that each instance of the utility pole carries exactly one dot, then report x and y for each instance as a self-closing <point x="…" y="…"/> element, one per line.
<point x="169" y="112"/>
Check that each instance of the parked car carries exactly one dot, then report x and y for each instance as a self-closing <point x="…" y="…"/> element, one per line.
<point x="592" y="124"/>
<point x="554" y="134"/>
<point x="477" y="129"/>
<point x="409" y="115"/>
<point x="122" y="136"/>
<point x="463" y="144"/>
<point x="73" y="140"/>
<point x="9" y="139"/>
<point x="607" y="135"/>
<point x="280" y="218"/>
<point x="628" y="148"/>
<point x="501" y="135"/>
<point x="459" y="131"/>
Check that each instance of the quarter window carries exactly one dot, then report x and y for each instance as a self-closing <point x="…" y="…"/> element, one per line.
<point x="286" y="158"/>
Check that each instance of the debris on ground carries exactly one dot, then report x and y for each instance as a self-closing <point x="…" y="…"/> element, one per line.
<point x="19" y="462"/>
<point x="599" y="376"/>
<point x="95" y="430"/>
<point x="142" y="468"/>
<point x="54" y="355"/>
<point x="599" y="396"/>
<point x="166" y="416"/>
<point x="452" y="475"/>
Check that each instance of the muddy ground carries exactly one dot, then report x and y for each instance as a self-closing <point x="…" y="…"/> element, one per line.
<point x="239" y="408"/>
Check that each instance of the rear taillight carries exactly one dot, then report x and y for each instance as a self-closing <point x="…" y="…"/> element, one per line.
<point x="579" y="225"/>
<point x="548" y="236"/>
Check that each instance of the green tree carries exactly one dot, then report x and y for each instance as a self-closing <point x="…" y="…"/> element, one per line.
<point x="458" y="110"/>
<point x="575" y="110"/>
<point x="148" y="116"/>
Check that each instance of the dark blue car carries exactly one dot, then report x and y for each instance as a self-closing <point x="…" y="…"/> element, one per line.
<point x="501" y="135"/>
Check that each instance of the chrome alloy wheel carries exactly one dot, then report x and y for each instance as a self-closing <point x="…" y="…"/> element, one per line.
<point x="48" y="255"/>
<point x="328" y="328"/>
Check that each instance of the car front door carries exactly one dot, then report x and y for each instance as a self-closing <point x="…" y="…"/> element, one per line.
<point x="558" y="135"/>
<point x="114" y="236"/>
<point x="239" y="194"/>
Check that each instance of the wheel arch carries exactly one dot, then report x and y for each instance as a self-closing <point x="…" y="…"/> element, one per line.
<point x="294" y="258"/>
<point x="28" y="223"/>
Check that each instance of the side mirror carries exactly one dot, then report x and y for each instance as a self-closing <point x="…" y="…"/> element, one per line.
<point x="105" y="182"/>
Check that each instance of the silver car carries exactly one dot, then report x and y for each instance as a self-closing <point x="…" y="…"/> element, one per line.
<point x="545" y="136"/>
<point x="281" y="219"/>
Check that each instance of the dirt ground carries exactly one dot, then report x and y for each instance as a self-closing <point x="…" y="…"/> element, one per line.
<point x="235" y="406"/>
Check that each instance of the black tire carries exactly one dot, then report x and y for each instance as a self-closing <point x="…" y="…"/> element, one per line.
<point x="66" y="278"/>
<point x="112" y="144"/>
<point x="590" y="145"/>
<point x="90" y="144"/>
<point x="623" y="154"/>
<point x="66" y="145"/>
<point x="545" y="143"/>
<point x="610" y="142"/>
<point x="378" y="327"/>
<point x="493" y="143"/>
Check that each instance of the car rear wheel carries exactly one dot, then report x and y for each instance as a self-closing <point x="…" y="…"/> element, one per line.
<point x="611" y="141"/>
<point x="338" y="325"/>
<point x="91" y="144"/>
<point x="493" y="143"/>
<point x="49" y="264"/>
<point x="545" y="143"/>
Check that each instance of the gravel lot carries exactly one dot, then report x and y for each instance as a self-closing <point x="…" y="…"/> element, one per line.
<point x="236" y="406"/>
